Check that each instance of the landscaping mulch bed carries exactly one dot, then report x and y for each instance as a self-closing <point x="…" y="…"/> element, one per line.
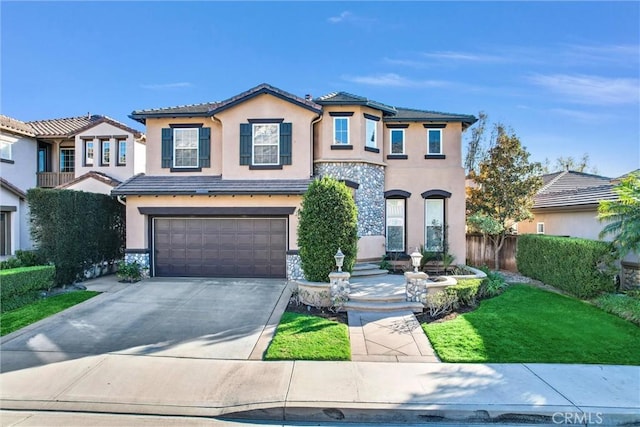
<point x="425" y="318"/>
<point x="295" y="307"/>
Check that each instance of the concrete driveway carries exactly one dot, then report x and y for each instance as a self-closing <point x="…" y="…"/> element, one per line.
<point x="187" y="318"/>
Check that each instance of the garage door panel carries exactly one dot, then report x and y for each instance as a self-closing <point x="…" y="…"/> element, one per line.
<point x="223" y="247"/>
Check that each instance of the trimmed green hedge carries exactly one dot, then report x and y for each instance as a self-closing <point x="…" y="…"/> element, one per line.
<point x="467" y="291"/>
<point x="574" y="265"/>
<point x="20" y="286"/>
<point x="75" y="230"/>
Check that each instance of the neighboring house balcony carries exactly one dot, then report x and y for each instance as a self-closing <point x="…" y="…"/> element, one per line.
<point x="53" y="179"/>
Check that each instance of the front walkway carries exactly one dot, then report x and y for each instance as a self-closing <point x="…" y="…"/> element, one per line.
<point x="388" y="337"/>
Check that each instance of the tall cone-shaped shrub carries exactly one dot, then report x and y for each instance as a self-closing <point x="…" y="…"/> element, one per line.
<point x="328" y="221"/>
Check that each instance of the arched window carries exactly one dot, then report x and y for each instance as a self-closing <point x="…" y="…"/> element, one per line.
<point x="396" y="218"/>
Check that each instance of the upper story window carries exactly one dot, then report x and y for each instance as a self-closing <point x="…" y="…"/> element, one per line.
<point x="341" y="130"/>
<point x="67" y="159"/>
<point x="434" y="141"/>
<point x="105" y="148"/>
<point x="185" y="148"/>
<point x="397" y="141"/>
<point x="88" y="152"/>
<point x="6" y="150"/>
<point x="122" y="152"/>
<point x="266" y="143"/>
<point x="370" y="140"/>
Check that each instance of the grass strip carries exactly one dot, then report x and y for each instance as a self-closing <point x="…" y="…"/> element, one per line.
<point x="531" y="325"/>
<point x="19" y="318"/>
<point x="304" y="337"/>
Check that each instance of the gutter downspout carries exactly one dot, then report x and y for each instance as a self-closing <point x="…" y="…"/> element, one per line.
<point x="315" y="121"/>
<point x="122" y="202"/>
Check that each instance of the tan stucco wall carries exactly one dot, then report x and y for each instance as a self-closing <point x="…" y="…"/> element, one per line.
<point x="357" y="133"/>
<point x="91" y="185"/>
<point x="102" y="131"/>
<point x="137" y="224"/>
<point x="225" y="140"/>
<point x="417" y="175"/>
<point x="565" y="223"/>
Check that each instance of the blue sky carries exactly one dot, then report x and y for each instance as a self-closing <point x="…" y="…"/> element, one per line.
<point x="564" y="76"/>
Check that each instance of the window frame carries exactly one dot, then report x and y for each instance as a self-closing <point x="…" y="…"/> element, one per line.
<point x="540" y="228"/>
<point x="175" y="148"/>
<point x="120" y="142"/>
<point x="374" y="123"/>
<point x="391" y="131"/>
<point x="89" y="160"/>
<point x="429" y="152"/>
<point x="335" y="130"/>
<point x="72" y="163"/>
<point x="105" y="148"/>
<point x="6" y="146"/>
<point x="253" y="144"/>
<point x="427" y="221"/>
<point x="404" y="224"/>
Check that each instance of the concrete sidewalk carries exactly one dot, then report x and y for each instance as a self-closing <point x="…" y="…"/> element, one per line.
<point x="328" y="391"/>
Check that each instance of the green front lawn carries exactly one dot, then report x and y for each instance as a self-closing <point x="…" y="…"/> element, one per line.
<point x="526" y="324"/>
<point x="304" y="337"/>
<point x="19" y="318"/>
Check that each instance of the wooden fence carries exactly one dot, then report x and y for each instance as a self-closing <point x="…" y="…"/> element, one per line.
<point x="507" y="254"/>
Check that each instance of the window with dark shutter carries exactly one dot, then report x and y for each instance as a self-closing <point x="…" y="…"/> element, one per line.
<point x="285" y="143"/>
<point x="167" y="147"/>
<point x="245" y="143"/>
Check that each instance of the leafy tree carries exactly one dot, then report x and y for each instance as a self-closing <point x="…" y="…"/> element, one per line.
<point x="485" y="225"/>
<point x="506" y="184"/>
<point x="569" y="163"/>
<point x="623" y="215"/>
<point x="328" y="221"/>
<point x="475" y="146"/>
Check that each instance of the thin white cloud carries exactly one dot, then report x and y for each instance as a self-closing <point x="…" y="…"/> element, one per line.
<point x="580" y="115"/>
<point x="587" y="89"/>
<point x="463" y="56"/>
<point x="162" y="86"/>
<point x="344" y="16"/>
<point x="617" y="54"/>
<point x="348" y="17"/>
<point x="394" y="80"/>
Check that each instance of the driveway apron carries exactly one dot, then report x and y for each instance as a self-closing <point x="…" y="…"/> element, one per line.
<point x="191" y="318"/>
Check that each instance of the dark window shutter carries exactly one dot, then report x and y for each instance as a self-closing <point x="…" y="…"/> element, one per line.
<point x="245" y="143"/>
<point x="167" y="147"/>
<point x="205" y="148"/>
<point x="285" y="143"/>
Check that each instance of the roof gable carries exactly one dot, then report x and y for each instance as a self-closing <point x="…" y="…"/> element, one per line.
<point x="211" y="108"/>
<point x="98" y="176"/>
<point x="345" y="98"/>
<point x="70" y="126"/>
<point x="12" y="188"/>
<point x="571" y="189"/>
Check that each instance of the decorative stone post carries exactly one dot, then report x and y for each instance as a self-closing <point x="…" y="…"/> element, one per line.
<point x="339" y="282"/>
<point x="416" y="281"/>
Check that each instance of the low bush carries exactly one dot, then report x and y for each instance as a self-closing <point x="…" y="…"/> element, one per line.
<point x="577" y="266"/>
<point x="493" y="285"/>
<point x="440" y="303"/>
<point x="467" y="292"/>
<point x="129" y="272"/>
<point x="23" y="259"/>
<point x="21" y="285"/>
<point x="624" y="306"/>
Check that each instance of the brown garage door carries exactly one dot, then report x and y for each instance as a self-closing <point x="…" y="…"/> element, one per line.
<point x="220" y="247"/>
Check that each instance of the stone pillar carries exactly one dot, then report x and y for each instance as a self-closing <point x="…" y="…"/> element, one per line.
<point x="339" y="288"/>
<point x="416" y="286"/>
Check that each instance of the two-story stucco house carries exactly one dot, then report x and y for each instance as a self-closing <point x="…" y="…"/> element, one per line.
<point x="89" y="153"/>
<point x="224" y="180"/>
<point x="17" y="175"/>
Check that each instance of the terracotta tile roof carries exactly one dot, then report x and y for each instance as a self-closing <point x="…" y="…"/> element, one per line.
<point x="70" y="126"/>
<point x="15" y="126"/>
<point x="12" y="188"/>
<point x="100" y="176"/>
<point x="211" y="108"/>
<point x="207" y="184"/>
<point x="570" y="188"/>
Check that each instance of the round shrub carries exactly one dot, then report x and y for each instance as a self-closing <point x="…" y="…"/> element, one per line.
<point x="328" y="221"/>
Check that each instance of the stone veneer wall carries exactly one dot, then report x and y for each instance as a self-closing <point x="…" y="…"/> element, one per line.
<point x="294" y="267"/>
<point x="140" y="258"/>
<point x="630" y="277"/>
<point x="369" y="196"/>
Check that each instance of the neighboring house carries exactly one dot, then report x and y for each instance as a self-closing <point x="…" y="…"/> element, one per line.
<point x="224" y="181"/>
<point x="567" y="205"/>
<point x="90" y="153"/>
<point x="17" y="175"/>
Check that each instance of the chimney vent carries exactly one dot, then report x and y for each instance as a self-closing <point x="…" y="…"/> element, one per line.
<point x="308" y="97"/>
